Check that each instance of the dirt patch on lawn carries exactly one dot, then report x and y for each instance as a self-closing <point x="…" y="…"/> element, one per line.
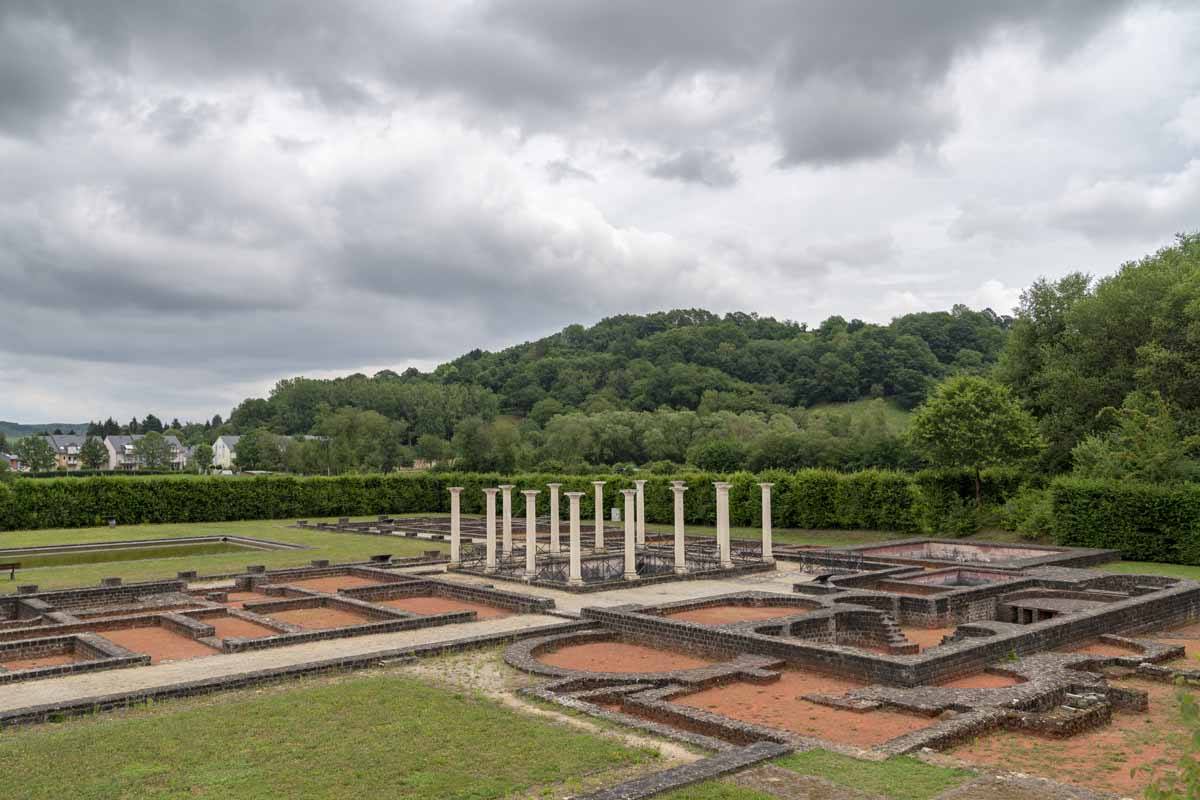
<point x="1101" y="758"/>
<point x="619" y="657"/>
<point x="443" y="605"/>
<point x="158" y="643"/>
<point x="722" y="615"/>
<point x="779" y="705"/>
<point x="42" y="661"/>
<point x="319" y="618"/>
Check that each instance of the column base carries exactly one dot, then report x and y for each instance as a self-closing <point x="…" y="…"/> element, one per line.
<point x="681" y="570"/>
<point x="631" y="576"/>
<point x="726" y="565"/>
<point x="454" y="564"/>
<point x="489" y="570"/>
<point x="575" y="582"/>
<point x="769" y="560"/>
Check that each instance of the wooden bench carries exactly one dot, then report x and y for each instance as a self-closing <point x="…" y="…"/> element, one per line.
<point x="12" y="568"/>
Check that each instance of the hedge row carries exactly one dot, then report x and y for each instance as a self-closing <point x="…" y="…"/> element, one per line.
<point x="871" y="499"/>
<point x="1145" y="522"/>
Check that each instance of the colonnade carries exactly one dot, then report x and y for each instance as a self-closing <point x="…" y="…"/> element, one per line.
<point x="634" y="518"/>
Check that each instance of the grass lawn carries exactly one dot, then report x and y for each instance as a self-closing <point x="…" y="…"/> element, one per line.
<point x="380" y="736"/>
<point x="1189" y="571"/>
<point x="900" y="778"/>
<point x="336" y="547"/>
<point x="715" y="790"/>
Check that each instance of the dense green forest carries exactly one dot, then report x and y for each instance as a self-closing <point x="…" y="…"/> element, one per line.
<point x="1108" y="368"/>
<point x="672" y="387"/>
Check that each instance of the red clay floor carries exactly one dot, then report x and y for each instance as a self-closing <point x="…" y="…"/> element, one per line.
<point x="319" y="618"/>
<point x="443" y="605"/>
<point x="720" y="615"/>
<point x="779" y="705"/>
<point x="619" y="657"/>
<point x="332" y="583"/>
<point x="158" y="643"/>
<point x="41" y="661"/>
<point x="235" y="628"/>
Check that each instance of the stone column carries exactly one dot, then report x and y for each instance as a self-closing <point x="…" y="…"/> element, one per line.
<point x="630" y="534"/>
<point x="641" y="512"/>
<point x="506" y="521"/>
<point x="599" y="514"/>
<point x="554" y="487"/>
<point x="490" y="565"/>
<point x="530" y="533"/>
<point x="678" y="488"/>
<point x="723" y="524"/>
<point x="455" y="526"/>
<point x="576" y="575"/>
<point x="767" y="555"/>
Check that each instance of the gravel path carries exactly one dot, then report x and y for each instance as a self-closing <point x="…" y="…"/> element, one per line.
<point x="76" y="687"/>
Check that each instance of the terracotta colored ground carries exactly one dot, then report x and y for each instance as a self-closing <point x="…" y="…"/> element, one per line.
<point x="234" y="628"/>
<point x="619" y="657"/>
<point x="43" y="661"/>
<point x="158" y="643"/>
<point x="926" y="637"/>
<point x="1185" y="632"/>
<point x="1191" y="660"/>
<point x="1100" y="649"/>
<point x="981" y="680"/>
<point x="1100" y="759"/>
<point x="319" y="618"/>
<point x="238" y="599"/>
<point x="719" y="615"/>
<point x="334" y="583"/>
<point x="778" y="705"/>
<point x="442" y="605"/>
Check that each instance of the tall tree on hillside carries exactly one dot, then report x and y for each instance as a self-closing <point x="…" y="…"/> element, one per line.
<point x="1143" y="441"/>
<point x="3" y="442"/>
<point x="35" y="453"/>
<point x="973" y="423"/>
<point x="153" y="451"/>
<point x="93" y="454"/>
<point x="152" y="423"/>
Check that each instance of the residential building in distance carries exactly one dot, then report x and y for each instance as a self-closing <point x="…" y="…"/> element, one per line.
<point x="14" y="463"/>
<point x="225" y="451"/>
<point x="123" y="455"/>
<point x="66" y="449"/>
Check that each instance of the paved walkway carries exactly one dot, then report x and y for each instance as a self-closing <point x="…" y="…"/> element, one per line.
<point x="137" y="679"/>
<point x="780" y="580"/>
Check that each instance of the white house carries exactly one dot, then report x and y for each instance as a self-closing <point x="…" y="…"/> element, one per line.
<point x="225" y="451"/>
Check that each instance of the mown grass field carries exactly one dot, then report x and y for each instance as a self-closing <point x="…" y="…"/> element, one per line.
<point x="376" y="736"/>
<point x="350" y="547"/>
<point x="902" y="778"/>
<point x="334" y="546"/>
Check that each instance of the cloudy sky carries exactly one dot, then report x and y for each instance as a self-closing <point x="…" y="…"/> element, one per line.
<point x="199" y="198"/>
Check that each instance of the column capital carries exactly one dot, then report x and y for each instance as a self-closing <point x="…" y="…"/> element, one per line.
<point x="490" y="491"/>
<point x="507" y="486"/>
<point x="554" y="485"/>
<point x="629" y="492"/>
<point x="766" y="485"/>
<point x="722" y="484"/>
<point x="599" y="483"/>
<point x="680" y="486"/>
<point x="531" y="492"/>
<point x="455" y="489"/>
<point x="574" y="494"/>
<point x="640" y="482"/>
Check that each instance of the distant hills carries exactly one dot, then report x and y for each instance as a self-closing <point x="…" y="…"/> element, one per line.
<point x="17" y="430"/>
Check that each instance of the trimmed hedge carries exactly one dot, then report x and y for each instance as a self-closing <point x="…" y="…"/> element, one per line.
<point x="812" y="498"/>
<point x="1145" y="522"/>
